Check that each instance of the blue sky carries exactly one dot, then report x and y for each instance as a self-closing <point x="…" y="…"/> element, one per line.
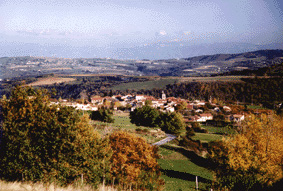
<point x="130" y="23"/>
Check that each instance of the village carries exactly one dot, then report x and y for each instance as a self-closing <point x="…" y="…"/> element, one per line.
<point x="192" y="111"/>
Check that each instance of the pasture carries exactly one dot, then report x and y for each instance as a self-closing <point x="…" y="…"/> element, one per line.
<point x="50" y="81"/>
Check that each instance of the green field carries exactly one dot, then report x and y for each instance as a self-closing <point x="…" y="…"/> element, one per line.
<point x="147" y="85"/>
<point x="205" y="137"/>
<point x="123" y="122"/>
<point x="179" y="166"/>
<point x="219" y="130"/>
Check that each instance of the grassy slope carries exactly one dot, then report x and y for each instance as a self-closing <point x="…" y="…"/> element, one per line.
<point x="122" y="122"/>
<point x="145" y="85"/>
<point x="162" y="82"/>
<point x="179" y="166"/>
<point x="51" y="80"/>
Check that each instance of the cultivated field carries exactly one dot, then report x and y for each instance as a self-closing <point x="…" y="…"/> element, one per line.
<point x="51" y="80"/>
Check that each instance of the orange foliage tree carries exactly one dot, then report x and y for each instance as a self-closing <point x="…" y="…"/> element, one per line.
<point x="253" y="158"/>
<point x="134" y="162"/>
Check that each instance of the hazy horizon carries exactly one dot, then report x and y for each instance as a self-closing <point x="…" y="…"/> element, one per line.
<point x="136" y="29"/>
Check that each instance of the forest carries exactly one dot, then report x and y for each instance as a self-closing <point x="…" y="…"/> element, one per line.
<point x="265" y="91"/>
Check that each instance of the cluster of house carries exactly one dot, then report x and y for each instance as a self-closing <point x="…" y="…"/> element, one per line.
<point x="165" y="104"/>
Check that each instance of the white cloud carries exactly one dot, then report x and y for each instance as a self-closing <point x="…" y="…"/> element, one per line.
<point x="162" y="32"/>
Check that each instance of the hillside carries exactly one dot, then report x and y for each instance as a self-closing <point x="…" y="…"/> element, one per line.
<point x="194" y="66"/>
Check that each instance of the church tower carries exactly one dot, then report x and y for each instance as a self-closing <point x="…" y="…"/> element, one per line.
<point x="163" y="95"/>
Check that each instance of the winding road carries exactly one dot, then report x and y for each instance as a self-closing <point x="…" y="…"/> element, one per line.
<point x="166" y="140"/>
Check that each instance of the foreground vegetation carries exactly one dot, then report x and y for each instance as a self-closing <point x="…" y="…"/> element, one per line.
<point x="51" y="143"/>
<point x="38" y="186"/>
<point x="55" y="144"/>
<point x="251" y="159"/>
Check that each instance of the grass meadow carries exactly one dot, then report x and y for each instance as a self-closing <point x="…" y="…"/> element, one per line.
<point x="179" y="166"/>
<point x="161" y="83"/>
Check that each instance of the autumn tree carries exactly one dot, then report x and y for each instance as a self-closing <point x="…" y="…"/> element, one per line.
<point x="253" y="158"/>
<point x="181" y="107"/>
<point x="42" y="141"/>
<point x="134" y="162"/>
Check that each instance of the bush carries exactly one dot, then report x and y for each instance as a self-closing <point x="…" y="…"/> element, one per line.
<point x="197" y="128"/>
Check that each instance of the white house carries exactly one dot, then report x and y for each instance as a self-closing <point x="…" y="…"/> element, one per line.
<point x="206" y="116"/>
<point x="227" y="109"/>
<point x="97" y="100"/>
<point x="139" y="97"/>
<point x="237" y="117"/>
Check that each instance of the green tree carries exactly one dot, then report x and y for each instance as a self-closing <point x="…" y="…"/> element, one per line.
<point x="172" y="122"/>
<point x="148" y="102"/>
<point x="145" y="116"/>
<point x="181" y="107"/>
<point x="102" y="114"/>
<point x="42" y="141"/>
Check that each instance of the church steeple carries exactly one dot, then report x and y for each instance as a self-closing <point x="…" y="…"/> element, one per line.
<point x="163" y="95"/>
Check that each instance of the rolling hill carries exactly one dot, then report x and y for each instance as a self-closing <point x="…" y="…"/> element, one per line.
<point x="205" y="65"/>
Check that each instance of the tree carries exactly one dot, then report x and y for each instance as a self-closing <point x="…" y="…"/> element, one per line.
<point x="181" y="107"/>
<point x="134" y="162"/>
<point x="102" y="114"/>
<point x="172" y="122"/>
<point x="145" y="116"/>
<point x="252" y="159"/>
<point x="42" y="141"/>
<point x="148" y="102"/>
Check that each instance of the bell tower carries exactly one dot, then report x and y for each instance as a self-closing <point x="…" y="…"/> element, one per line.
<point x="163" y="96"/>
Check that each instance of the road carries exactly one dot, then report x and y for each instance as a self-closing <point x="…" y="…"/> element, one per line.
<point x="166" y="140"/>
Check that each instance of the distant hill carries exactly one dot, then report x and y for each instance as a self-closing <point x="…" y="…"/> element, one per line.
<point x="194" y="66"/>
<point x="273" y="70"/>
<point x="221" y="63"/>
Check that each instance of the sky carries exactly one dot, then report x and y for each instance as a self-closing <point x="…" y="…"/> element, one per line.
<point x="130" y="23"/>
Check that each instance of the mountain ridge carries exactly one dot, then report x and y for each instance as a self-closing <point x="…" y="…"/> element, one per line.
<point x="192" y="66"/>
